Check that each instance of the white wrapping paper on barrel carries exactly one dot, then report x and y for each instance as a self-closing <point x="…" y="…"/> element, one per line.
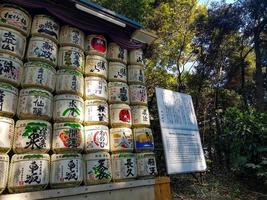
<point x="42" y="49"/>
<point x="96" y="45"/>
<point x="96" y="88"/>
<point x="32" y="136"/>
<point x="123" y="166"/>
<point x="96" y="138"/>
<point x="69" y="81"/>
<point x="120" y="115"/>
<point x="96" y="112"/>
<point x="138" y="95"/>
<point x="28" y="172"/>
<point x="35" y="103"/>
<point x="136" y="74"/>
<point x="71" y="36"/>
<point x="6" y="134"/>
<point x="45" y="26"/>
<point x="12" y="42"/>
<point x="140" y="116"/>
<point x="143" y="139"/>
<point x="118" y="92"/>
<point x="66" y="170"/>
<point x="68" y="107"/>
<point x="11" y="69"/>
<point x="96" y="66"/>
<point x="121" y="140"/>
<point x="97" y="168"/>
<point x="4" y="168"/>
<point x="15" y="17"/>
<point x="117" y="53"/>
<point x="68" y="137"/>
<point x="71" y="58"/>
<point x="117" y="72"/>
<point x="136" y="57"/>
<point x="146" y="164"/>
<point x="39" y="74"/>
<point x="8" y="100"/>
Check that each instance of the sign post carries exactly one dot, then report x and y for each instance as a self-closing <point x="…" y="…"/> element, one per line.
<point x="180" y="135"/>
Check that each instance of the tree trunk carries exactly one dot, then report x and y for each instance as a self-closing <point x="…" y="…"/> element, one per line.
<point x="258" y="75"/>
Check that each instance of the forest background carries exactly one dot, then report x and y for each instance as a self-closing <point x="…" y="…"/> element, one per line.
<point x="216" y="52"/>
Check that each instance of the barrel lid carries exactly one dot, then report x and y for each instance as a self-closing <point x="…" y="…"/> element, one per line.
<point x="120" y="130"/>
<point x="17" y="157"/>
<point x="14" y="31"/>
<point x="36" y="122"/>
<point x="36" y="92"/>
<point x="142" y="129"/>
<point x="40" y="64"/>
<point x="67" y="97"/>
<point x="89" y="56"/>
<point x="4" y="157"/>
<point x="65" y="156"/>
<point x="137" y="86"/>
<point x="95" y="78"/>
<point x="68" y="124"/>
<point x="135" y="66"/>
<point x="6" y="119"/>
<point x="67" y="48"/>
<point x="119" y="106"/>
<point x="9" y="87"/>
<point x="96" y="127"/>
<point x="96" y="156"/>
<point x="45" y="16"/>
<point x="42" y="39"/>
<point x="146" y="154"/>
<point x="95" y="101"/>
<point x="17" y="7"/>
<point x="138" y="107"/>
<point x="69" y="72"/>
<point x="123" y="155"/>
<point x="13" y="58"/>
<point x="117" y="84"/>
<point x="116" y="63"/>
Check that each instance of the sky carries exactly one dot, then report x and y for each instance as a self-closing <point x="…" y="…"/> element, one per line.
<point x="209" y="1"/>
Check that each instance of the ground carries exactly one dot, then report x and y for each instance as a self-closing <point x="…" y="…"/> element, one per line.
<point x="221" y="186"/>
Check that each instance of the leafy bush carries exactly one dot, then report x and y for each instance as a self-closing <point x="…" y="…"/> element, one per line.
<point x="244" y="140"/>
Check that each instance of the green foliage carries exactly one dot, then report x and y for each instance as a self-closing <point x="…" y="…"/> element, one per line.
<point x="244" y="140"/>
<point x="33" y="127"/>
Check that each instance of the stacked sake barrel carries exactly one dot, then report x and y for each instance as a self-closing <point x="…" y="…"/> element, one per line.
<point x="33" y="130"/>
<point x="143" y="138"/>
<point x="96" y="116"/>
<point x="68" y="113"/>
<point x="15" y="24"/>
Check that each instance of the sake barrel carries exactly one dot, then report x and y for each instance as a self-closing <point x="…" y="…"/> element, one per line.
<point x="118" y="92"/>
<point x="39" y="74"/>
<point x="123" y="166"/>
<point x="143" y="139"/>
<point x="138" y="95"/>
<point x="96" y="45"/>
<point x="117" y="72"/>
<point x="6" y="134"/>
<point x="66" y="170"/>
<point x="96" y="138"/>
<point x="146" y="164"/>
<point x="95" y="88"/>
<point x="136" y="74"/>
<point x="12" y="42"/>
<point x="96" y="66"/>
<point x="11" y="69"/>
<point x="8" y="100"/>
<point x="96" y="112"/>
<point x="32" y="136"/>
<point x="69" y="81"/>
<point x="97" y="168"/>
<point x="28" y="172"/>
<point x="140" y="116"/>
<point x="71" y="58"/>
<point x="45" y="26"/>
<point x="35" y="103"/>
<point x="15" y="17"/>
<point x="136" y="57"/>
<point x="116" y="53"/>
<point x="121" y="139"/>
<point x="42" y="49"/>
<point x="68" y="137"/>
<point x="120" y="115"/>
<point x="4" y="167"/>
<point x="71" y="36"/>
<point x="68" y="107"/>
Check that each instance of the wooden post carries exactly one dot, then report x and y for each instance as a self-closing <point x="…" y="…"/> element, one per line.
<point x="162" y="188"/>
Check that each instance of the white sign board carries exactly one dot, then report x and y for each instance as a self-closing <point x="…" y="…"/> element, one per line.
<point x="180" y="135"/>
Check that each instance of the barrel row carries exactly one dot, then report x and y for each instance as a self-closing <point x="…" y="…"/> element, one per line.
<point x="33" y="172"/>
<point x="38" y="136"/>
